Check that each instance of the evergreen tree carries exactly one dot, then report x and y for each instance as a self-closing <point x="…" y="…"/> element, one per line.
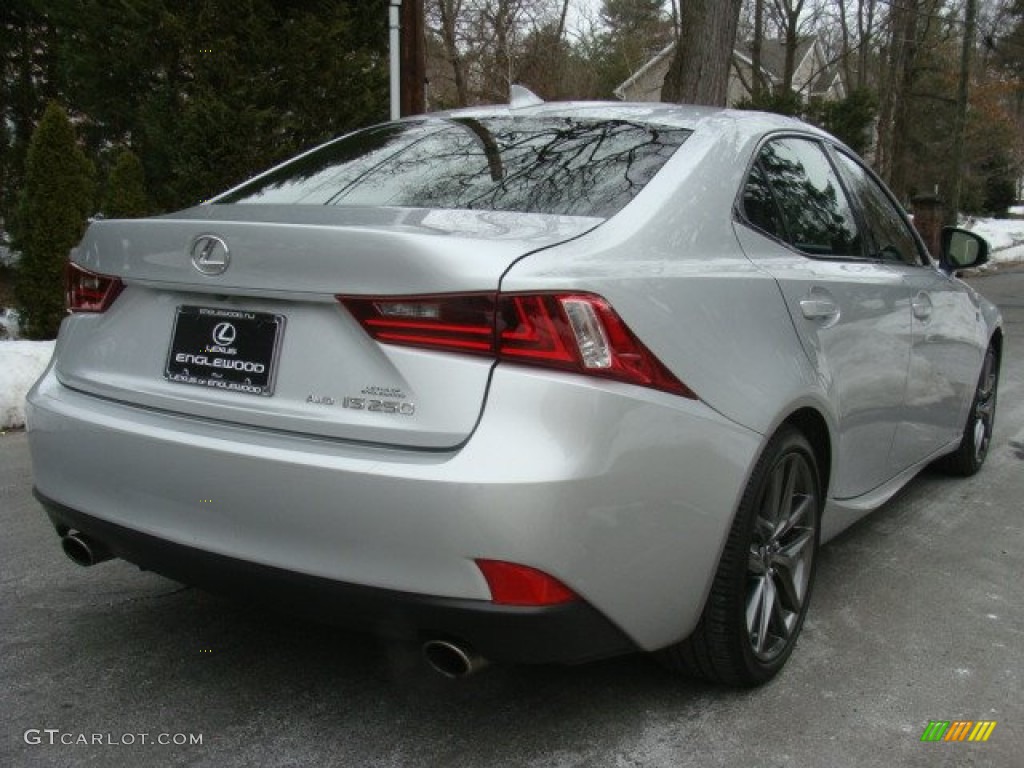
<point x="633" y="18"/>
<point x="208" y="94"/>
<point x="55" y="204"/>
<point x="126" y="188"/>
<point x="849" y="119"/>
<point x="637" y="30"/>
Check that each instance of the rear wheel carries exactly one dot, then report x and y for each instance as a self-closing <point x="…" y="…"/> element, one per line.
<point x="762" y="588"/>
<point x="968" y="458"/>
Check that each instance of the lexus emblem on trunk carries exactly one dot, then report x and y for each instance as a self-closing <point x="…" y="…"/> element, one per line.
<point x="210" y="254"/>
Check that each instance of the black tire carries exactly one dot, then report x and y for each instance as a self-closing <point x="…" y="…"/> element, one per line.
<point x="977" y="438"/>
<point x="768" y="563"/>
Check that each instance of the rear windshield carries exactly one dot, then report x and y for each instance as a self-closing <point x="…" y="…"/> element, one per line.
<point x="532" y="165"/>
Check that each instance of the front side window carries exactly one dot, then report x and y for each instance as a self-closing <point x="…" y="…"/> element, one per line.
<point x="816" y="215"/>
<point x="564" y="166"/>
<point x="892" y="238"/>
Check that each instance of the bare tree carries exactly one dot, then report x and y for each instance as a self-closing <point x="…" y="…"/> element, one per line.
<point x="788" y="13"/>
<point x="699" y="73"/>
<point x="448" y="12"/>
<point x="479" y="48"/>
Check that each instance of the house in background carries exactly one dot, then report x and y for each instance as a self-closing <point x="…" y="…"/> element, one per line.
<point x="813" y="76"/>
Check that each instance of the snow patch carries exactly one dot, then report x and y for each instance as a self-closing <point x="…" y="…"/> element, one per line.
<point x="9" y="328"/>
<point x="21" y="363"/>
<point x="1005" y="237"/>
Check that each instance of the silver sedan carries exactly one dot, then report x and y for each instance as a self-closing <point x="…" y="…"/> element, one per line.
<point x="535" y="383"/>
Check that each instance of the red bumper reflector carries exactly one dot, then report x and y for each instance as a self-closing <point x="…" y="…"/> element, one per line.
<point x="513" y="584"/>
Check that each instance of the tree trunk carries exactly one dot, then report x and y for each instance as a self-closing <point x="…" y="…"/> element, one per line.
<point x="699" y="73"/>
<point x="449" y="10"/>
<point x="865" y="34"/>
<point x="894" y="118"/>
<point x="960" y="127"/>
<point x="561" y="21"/>
<point x="844" y="29"/>
<point x="791" y="15"/>
<point x="757" y="76"/>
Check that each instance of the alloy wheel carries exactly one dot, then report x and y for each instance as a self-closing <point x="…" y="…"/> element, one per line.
<point x="985" y="406"/>
<point x="780" y="561"/>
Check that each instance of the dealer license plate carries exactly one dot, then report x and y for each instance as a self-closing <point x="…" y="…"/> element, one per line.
<point x="227" y="349"/>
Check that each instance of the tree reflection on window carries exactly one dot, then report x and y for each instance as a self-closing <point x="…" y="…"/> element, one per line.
<point x="818" y="217"/>
<point x="537" y="165"/>
<point x="889" y="230"/>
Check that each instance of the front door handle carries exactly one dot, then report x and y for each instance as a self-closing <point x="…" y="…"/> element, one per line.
<point x="921" y="306"/>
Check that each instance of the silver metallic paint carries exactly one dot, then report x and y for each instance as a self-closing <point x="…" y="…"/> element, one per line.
<point x="624" y="493"/>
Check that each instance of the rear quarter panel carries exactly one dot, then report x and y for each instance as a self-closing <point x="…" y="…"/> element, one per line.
<point x="671" y="266"/>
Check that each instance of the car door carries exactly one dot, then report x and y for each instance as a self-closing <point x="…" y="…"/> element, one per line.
<point x="946" y="350"/>
<point x="852" y="313"/>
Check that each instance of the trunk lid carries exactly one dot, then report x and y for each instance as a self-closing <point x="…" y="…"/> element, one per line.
<point x="324" y="376"/>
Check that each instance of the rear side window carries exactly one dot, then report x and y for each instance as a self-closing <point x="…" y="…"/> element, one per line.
<point x="807" y="206"/>
<point x="531" y="165"/>
<point x="759" y="205"/>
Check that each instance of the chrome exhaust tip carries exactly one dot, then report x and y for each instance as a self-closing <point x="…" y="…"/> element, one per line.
<point x="451" y="659"/>
<point x="84" y="550"/>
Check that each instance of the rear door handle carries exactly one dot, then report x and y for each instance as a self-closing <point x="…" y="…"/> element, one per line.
<point x="818" y="304"/>
<point x="815" y="309"/>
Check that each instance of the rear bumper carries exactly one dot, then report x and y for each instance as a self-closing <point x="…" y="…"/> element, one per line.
<point x="568" y="634"/>
<point x="624" y="495"/>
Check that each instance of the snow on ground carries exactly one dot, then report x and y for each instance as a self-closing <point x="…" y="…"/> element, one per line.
<point x="21" y="363"/>
<point x="1005" y="237"/>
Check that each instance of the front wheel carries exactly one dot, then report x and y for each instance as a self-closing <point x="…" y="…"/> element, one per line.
<point x="762" y="588"/>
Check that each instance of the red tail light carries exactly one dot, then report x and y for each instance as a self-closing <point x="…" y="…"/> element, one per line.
<point x="577" y="332"/>
<point x="88" y="291"/>
<point x="462" y="323"/>
<point x="513" y="584"/>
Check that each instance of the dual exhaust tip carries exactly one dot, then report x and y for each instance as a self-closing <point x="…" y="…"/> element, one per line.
<point x="448" y="658"/>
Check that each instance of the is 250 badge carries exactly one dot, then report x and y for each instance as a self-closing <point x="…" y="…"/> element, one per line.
<point x="375" y="405"/>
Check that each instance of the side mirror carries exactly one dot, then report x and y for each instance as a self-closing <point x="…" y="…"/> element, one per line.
<point x="962" y="249"/>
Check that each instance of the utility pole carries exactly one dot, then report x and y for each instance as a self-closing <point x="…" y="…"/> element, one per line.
<point x="414" y="59"/>
<point x="960" y="127"/>
<point x="395" y="58"/>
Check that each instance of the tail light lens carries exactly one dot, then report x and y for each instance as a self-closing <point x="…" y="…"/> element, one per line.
<point x="577" y="332"/>
<point x="513" y="584"/>
<point x="89" y="291"/>
<point x="454" y="323"/>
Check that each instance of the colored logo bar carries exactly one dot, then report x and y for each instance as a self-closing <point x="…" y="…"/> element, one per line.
<point x="958" y="730"/>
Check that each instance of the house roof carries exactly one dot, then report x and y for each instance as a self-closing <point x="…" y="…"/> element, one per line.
<point x="773" y="54"/>
<point x="773" y="63"/>
<point x="660" y="56"/>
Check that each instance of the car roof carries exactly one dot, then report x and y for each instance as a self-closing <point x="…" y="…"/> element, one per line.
<point x="693" y="117"/>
